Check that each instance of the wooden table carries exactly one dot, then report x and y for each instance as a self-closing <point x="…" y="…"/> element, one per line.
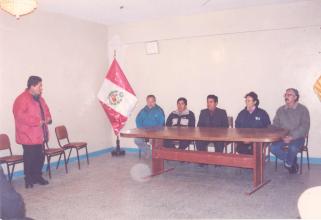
<point x="259" y="136"/>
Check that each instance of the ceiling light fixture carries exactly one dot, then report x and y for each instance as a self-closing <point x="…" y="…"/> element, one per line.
<point x="18" y="7"/>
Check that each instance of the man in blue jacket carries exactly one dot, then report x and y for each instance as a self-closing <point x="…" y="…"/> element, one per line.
<point x="251" y="117"/>
<point x="150" y="116"/>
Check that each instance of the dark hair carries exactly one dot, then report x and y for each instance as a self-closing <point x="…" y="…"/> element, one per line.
<point x="182" y="99"/>
<point x="151" y="96"/>
<point x="296" y="93"/>
<point x="214" y="97"/>
<point x="253" y="95"/>
<point x="33" y="81"/>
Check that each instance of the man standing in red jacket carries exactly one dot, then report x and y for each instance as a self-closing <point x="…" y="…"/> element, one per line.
<point x="32" y="116"/>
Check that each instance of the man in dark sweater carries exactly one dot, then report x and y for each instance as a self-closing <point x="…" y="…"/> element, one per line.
<point x="251" y="117"/>
<point x="11" y="202"/>
<point x="182" y="117"/>
<point x="294" y="117"/>
<point x="212" y="117"/>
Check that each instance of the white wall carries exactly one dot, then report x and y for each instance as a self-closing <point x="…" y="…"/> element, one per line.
<point x="71" y="57"/>
<point x="228" y="53"/>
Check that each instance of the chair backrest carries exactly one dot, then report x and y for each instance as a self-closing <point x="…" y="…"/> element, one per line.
<point x="61" y="134"/>
<point x="5" y="143"/>
<point x="46" y="146"/>
<point x="306" y="142"/>
<point x="230" y="121"/>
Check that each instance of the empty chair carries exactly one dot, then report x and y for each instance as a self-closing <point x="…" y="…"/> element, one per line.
<point x="52" y="152"/>
<point x="10" y="160"/>
<point x="62" y="137"/>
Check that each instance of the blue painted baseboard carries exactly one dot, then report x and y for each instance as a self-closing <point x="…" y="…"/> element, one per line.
<point x="128" y="150"/>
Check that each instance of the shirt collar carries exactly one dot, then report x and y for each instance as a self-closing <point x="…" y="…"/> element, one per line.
<point x="251" y="110"/>
<point x="185" y="112"/>
<point x="293" y="107"/>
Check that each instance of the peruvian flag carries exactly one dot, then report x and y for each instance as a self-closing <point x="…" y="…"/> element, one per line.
<point x="117" y="97"/>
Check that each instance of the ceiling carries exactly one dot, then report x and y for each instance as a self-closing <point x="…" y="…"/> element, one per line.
<point x="109" y="12"/>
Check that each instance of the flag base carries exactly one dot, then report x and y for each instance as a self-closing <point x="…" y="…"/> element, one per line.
<point x="117" y="153"/>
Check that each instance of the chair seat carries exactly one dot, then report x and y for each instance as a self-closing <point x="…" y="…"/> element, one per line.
<point x="75" y="145"/>
<point x="10" y="159"/>
<point x="51" y="151"/>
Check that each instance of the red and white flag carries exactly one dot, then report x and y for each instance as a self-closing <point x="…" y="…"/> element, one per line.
<point x="117" y="97"/>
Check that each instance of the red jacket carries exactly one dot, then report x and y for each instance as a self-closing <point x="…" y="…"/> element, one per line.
<point x="27" y="115"/>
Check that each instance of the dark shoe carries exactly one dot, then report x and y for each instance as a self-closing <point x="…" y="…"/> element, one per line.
<point x="202" y="164"/>
<point x="295" y="167"/>
<point x="41" y="181"/>
<point x="28" y="185"/>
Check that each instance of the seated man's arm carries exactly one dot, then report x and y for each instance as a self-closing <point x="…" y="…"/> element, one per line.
<point x="169" y="121"/>
<point x="191" y="121"/>
<point x="161" y="117"/>
<point x="276" y="120"/>
<point x="201" y="120"/>
<point x="224" y="120"/>
<point x="267" y="121"/>
<point x="238" y="121"/>
<point x="139" y="120"/>
<point x="303" y="129"/>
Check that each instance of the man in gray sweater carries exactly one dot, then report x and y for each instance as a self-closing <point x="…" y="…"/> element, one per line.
<point x="294" y="117"/>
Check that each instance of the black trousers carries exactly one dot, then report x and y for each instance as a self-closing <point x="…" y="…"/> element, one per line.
<point x="34" y="159"/>
<point x="243" y="148"/>
<point x="183" y="144"/>
<point x="202" y="145"/>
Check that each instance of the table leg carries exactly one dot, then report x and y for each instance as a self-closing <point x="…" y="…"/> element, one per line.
<point x="157" y="163"/>
<point x="258" y="171"/>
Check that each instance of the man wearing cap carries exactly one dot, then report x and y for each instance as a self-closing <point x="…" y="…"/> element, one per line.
<point x="294" y="117"/>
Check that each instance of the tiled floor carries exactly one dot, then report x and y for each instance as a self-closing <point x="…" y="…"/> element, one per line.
<point x="116" y="188"/>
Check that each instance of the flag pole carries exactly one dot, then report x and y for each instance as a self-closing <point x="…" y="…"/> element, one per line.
<point x="118" y="152"/>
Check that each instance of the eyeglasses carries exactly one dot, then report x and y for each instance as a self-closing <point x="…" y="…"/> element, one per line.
<point x="288" y="94"/>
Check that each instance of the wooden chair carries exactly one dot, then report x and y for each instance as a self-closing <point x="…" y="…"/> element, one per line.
<point x="140" y="150"/>
<point x="52" y="152"/>
<point x="193" y="145"/>
<point x="230" y="125"/>
<point x="303" y="148"/>
<point x="62" y="137"/>
<point x="10" y="160"/>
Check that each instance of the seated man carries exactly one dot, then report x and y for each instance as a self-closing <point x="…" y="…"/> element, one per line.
<point x="212" y="117"/>
<point x="251" y="117"/>
<point x="11" y="202"/>
<point x="294" y="117"/>
<point x="182" y="117"/>
<point x="150" y="116"/>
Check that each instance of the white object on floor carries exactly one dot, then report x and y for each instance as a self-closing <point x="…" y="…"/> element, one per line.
<point x="309" y="203"/>
<point x="140" y="172"/>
